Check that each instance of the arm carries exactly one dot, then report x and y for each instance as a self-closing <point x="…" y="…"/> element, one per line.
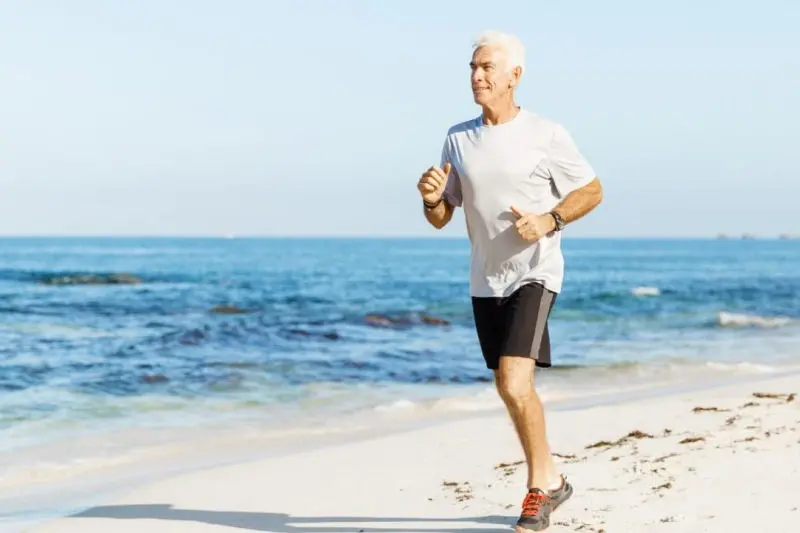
<point x="576" y="204"/>
<point x="573" y="176"/>
<point x="441" y="193"/>
<point x="441" y="190"/>
<point x="579" y="202"/>
<point x="440" y="215"/>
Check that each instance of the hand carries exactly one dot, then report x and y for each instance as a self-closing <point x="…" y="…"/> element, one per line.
<point x="431" y="184"/>
<point x="533" y="227"/>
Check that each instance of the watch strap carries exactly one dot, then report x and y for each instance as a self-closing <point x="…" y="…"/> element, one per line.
<point x="558" y="219"/>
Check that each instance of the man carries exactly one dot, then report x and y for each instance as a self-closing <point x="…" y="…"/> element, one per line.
<point x="520" y="179"/>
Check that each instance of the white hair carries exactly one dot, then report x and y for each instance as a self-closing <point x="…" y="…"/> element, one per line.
<point x="511" y="46"/>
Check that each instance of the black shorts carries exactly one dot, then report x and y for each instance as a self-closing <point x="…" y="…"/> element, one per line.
<point x="515" y="325"/>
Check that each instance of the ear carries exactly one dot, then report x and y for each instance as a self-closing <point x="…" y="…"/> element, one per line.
<point x="516" y="74"/>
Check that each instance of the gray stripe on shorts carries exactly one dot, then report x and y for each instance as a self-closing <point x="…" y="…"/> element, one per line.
<point x="541" y="320"/>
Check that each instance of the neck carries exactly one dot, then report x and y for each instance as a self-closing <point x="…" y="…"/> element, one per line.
<point x="499" y="112"/>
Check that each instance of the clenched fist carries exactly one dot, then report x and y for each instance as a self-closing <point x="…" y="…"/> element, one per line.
<point x="533" y="227"/>
<point x="431" y="184"/>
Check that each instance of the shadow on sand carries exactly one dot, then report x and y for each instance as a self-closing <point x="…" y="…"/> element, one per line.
<point x="284" y="523"/>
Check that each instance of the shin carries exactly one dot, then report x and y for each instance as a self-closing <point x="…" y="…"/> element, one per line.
<point x="515" y="383"/>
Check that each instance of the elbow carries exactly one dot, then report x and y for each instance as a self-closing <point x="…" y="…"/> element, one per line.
<point x="597" y="192"/>
<point x="437" y="223"/>
<point x="441" y="220"/>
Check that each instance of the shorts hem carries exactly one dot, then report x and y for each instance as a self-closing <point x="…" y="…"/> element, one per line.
<point x="495" y="365"/>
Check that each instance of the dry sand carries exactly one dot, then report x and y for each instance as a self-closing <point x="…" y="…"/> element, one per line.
<point x="720" y="460"/>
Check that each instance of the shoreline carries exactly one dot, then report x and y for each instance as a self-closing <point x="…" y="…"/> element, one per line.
<point x="393" y="429"/>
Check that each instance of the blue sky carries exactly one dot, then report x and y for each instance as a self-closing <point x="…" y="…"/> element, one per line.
<point x="317" y="117"/>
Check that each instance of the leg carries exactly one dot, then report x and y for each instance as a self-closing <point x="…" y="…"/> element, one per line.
<point x="514" y="381"/>
<point x="514" y="339"/>
<point x="526" y="345"/>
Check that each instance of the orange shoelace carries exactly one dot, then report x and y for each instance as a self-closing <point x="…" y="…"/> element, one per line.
<point x="532" y="503"/>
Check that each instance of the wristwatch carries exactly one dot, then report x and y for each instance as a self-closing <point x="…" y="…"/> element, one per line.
<point x="558" y="219"/>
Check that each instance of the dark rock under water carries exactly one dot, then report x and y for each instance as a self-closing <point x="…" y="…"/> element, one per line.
<point x="381" y="320"/>
<point x="92" y="279"/>
<point x="229" y="310"/>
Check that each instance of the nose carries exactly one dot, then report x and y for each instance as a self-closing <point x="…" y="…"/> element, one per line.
<point x="477" y="76"/>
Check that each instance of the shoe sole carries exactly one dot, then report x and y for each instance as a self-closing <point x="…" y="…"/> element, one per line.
<point x="539" y="526"/>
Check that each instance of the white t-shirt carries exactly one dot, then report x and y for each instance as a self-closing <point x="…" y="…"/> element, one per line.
<point x="529" y="162"/>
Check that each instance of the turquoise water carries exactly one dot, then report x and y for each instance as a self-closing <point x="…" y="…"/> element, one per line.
<point x="200" y="329"/>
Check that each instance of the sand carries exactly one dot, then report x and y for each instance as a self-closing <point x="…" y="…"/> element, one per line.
<point x="720" y="460"/>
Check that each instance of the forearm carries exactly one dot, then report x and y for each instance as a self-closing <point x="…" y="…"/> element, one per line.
<point x="440" y="215"/>
<point x="580" y="202"/>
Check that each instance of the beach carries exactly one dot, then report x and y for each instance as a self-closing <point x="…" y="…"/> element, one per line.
<point x="207" y="380"/>
<point x="719" y="459"/>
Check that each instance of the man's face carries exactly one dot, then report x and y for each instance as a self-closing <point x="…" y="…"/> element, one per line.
<point x="491" y="77"/>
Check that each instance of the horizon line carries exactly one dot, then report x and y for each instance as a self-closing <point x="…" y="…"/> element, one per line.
<point x="233" y="236"/>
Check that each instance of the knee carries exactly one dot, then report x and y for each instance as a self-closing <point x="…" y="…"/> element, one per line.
<point x="514" y="388"/>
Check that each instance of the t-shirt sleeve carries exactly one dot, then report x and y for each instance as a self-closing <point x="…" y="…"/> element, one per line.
<point x="568" y="168"/>
<point x="452" y="189"/>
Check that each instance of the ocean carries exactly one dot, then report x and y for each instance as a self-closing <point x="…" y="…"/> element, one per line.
<point x="109" y="346"/>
